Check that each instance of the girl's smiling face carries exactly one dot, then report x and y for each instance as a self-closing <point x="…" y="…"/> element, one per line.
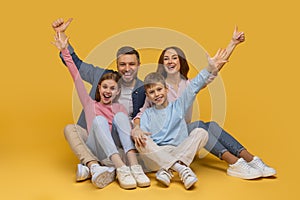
<point x="108" y="90"/>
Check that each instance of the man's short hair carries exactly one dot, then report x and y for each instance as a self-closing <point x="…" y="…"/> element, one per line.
<point x="129" y="51"/>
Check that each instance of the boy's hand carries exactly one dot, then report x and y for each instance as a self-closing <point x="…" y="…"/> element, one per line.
<point x="139" y="136"/>
<point x="237" y="37"/>
<point x="60" y="26"/>
<point x="215" y="63"/>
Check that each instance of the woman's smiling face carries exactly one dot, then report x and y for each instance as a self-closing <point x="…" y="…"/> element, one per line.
<point x="171" y="61"/>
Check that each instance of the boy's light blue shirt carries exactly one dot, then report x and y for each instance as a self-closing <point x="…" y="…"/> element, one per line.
<point x="167" y="126"/>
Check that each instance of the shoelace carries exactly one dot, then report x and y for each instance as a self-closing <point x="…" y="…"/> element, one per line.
<point x="260" y="164"/>
<point x="137" y="170"/>
<point x="245" y="165"/>
<point x="185" y="173"/>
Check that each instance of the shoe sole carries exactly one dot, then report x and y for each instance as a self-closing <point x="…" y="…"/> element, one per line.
<point x="191" y="184"/>
<point x="127" y="187"/>
<point x="269" y="174"/>
<point x="103" y="179"/>
<point x="143" y="184"/>
<point x="234" y="174"/>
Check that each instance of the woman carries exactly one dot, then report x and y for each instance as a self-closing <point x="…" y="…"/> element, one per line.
<point x="174" y="67"/>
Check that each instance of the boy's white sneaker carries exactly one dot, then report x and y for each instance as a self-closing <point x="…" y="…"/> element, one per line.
<point x="242" y="169"/>
<point x="188" y="177"/>
<point x="82" y="172"/>
<point x="164" y="176"/>
<point x="102" y="175"/>
<point x="266" y="171"/>
<point x="141" y="179"/>
<point x="125" y="178"/>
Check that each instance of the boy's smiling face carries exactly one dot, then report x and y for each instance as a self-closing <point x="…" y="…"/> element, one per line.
<point x="157" y="94"/>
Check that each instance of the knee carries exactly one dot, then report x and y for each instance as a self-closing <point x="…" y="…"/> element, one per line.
<point x="68" y="130"/>
<point x="120" y="116"/>
<point x="147" y="148"/>
<point x="99" y="121"/>
<point x="201" y="124"/>
<point x="213" y="124"/>
<point x="202" y="134"/>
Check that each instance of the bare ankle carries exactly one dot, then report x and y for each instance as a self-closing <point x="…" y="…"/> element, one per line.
<point x="246" y="155"/>
<point x="229" y="158"/>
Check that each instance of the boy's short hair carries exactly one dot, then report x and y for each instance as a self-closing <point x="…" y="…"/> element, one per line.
<point x="127" y="50"/>
<point x="152" y="79"/>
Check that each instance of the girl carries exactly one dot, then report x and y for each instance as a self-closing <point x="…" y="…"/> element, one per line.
<point x="107" y="124"/>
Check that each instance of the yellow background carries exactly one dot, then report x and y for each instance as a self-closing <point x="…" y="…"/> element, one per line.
<point x="261" y="83"/>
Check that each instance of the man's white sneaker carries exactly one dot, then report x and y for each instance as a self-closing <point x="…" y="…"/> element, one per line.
<point x="241" y="169"/>
<point x="82" y="173"/>
<point x="164" y="176"/>
<point x="102" y="175"/>
<point x="125" y="178"/>
<point x="266" y="171"/>
<point x="188" y="177"/>
<point x="141" y="179"/>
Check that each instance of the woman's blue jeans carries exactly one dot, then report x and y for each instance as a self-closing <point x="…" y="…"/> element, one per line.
<point x="219" y="141"/>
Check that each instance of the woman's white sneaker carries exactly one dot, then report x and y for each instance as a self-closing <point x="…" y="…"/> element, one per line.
<point x="242" y="169"/>
<point x="266" y="171"/>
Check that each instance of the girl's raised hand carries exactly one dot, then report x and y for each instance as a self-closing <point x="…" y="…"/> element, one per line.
<point x="59" y="43"/>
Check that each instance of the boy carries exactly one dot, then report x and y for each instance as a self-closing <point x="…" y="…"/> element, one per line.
<point x="169" y="146"/>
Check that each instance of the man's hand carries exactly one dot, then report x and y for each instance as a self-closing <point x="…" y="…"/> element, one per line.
<point x="139" y="137"/>
<point x="60" y="25"/>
